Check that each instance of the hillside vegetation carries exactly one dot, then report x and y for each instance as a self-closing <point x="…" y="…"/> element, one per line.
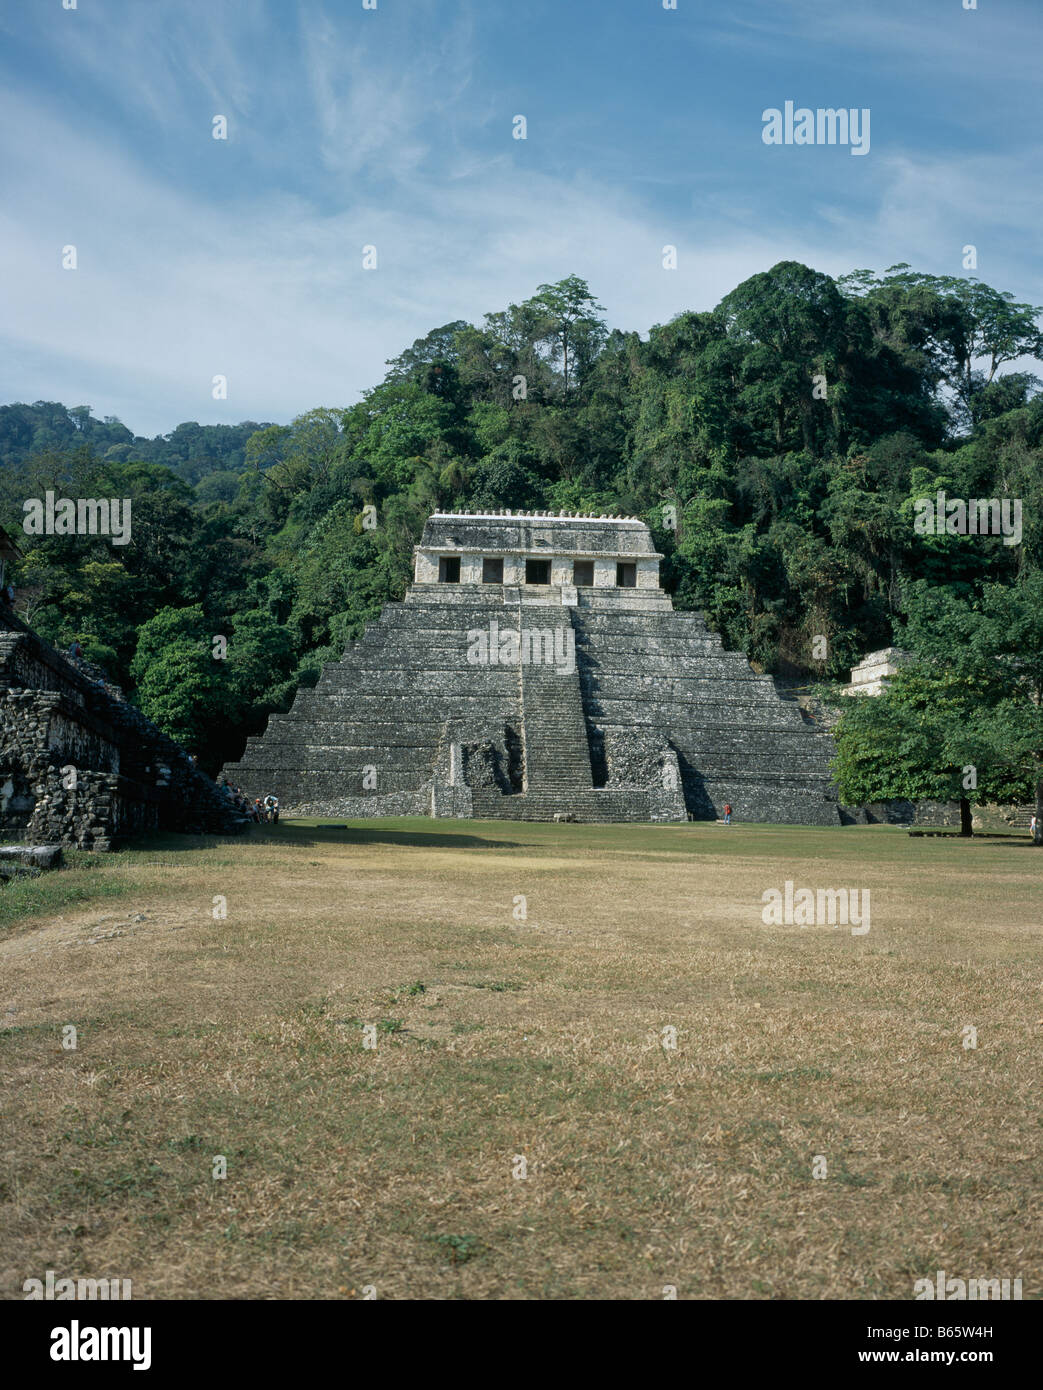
<point x="776" y="446"/>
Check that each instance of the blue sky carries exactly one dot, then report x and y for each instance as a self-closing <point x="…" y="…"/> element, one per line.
<point x="393" y="128"/>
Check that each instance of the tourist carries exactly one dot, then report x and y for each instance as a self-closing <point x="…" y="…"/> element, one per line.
<point x="727" y="814"/>
<point x="271" y="808"/>
<point x="75" y="650"/>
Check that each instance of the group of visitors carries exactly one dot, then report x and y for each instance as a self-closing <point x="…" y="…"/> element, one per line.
<point x="261" y="810"/>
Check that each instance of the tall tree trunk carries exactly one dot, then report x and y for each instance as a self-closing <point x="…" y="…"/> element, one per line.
<point x="966" y="828"/>
<point x="1037" y="838"/>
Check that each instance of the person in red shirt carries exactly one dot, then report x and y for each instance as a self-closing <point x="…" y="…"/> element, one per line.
<point x="727" y="814"/>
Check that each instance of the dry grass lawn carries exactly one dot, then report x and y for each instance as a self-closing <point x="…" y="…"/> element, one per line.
<point x="500" y="1040"/>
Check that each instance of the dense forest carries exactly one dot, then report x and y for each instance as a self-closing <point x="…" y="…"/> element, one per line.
<point x="776" y="445"/>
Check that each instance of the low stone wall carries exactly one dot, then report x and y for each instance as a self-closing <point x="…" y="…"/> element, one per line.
<point x="415" y="803"/>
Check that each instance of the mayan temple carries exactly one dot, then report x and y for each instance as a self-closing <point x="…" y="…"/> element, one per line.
<point x="536" y="669"/>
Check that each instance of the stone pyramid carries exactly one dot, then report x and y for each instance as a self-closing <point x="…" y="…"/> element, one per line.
<point x="537" y="669"/>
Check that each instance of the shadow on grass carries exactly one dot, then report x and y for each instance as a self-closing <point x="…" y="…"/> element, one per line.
<point x="419" y="832"/>
<point x="291" y="832"/>
<point x="303" y="835"/>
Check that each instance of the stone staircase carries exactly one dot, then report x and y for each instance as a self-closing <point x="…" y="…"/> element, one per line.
<point x="557" y="750"/>
<point x="558" y="778"/>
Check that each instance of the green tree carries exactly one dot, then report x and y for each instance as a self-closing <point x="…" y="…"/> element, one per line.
<point x="259" y="666"/>
<point x="946" y="325"/>
<point x="788" y="327"/>
<point x="567" y="315"/>
<point x="180" y="685"/>
<point x="970" y="708"/>
<point x="995" y="644"/>
<point x="923" y="739"/>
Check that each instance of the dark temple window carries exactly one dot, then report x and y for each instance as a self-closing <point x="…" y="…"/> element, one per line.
<point x="449" y="569"/>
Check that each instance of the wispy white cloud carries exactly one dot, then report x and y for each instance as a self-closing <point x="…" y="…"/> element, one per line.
<point x="263" y="282"/>
<point x="152" y="60"/>
<point x="385" y="105"/>
<point x="171" y="291"/>
<point x="992" y="41"/>
<point x="929" y="208"/>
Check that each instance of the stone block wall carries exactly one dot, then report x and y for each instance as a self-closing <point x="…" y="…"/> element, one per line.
<point x="83" y="768"/>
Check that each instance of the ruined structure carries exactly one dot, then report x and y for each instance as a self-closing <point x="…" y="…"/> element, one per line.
<point x="79" y="766"/>
<point x="536" y="668"/>
<point x="871" y="675"/>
